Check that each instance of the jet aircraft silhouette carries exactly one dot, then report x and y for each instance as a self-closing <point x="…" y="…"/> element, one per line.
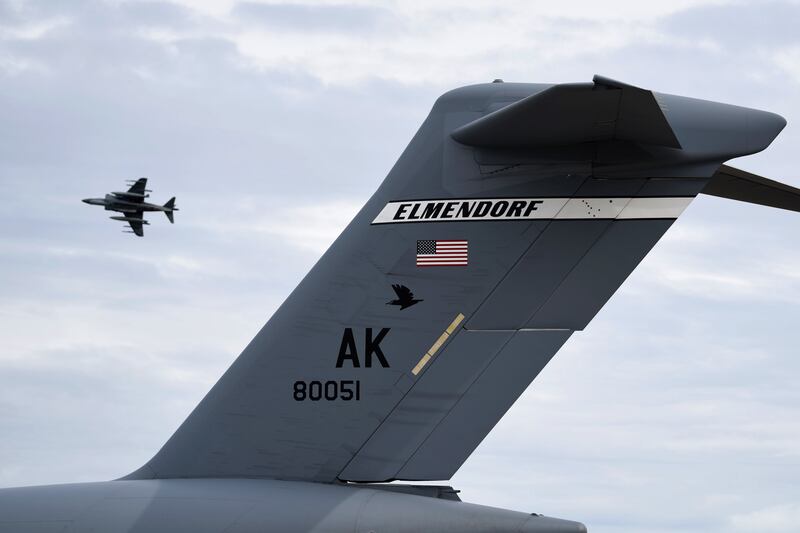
<point x="132" y="206"/>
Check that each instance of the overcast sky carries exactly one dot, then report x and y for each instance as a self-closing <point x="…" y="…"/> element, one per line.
<point x="678" y="409"/>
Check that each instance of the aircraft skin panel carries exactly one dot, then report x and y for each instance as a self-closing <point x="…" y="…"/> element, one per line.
<point x="537" y="274"/>
<point x="441" y="383"/>
<point x="482" y="406"/>
<point x="574" y="113"/>
<point x="601" y="271"/>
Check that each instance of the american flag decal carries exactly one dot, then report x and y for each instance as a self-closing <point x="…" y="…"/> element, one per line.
<point x="441" y="253"/>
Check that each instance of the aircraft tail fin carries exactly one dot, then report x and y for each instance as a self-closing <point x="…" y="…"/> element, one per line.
<point x="491" y="246"/>
<point x="170" y="210"/>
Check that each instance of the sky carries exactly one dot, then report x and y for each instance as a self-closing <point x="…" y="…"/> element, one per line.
<point x="677" y="409"/>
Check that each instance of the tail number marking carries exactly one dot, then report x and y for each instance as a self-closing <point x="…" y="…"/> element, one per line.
<point x="329" y="391"/>
<point x="372" y="346"/>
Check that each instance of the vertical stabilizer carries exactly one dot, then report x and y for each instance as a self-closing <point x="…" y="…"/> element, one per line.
<point x="170" y="210"/>
<point x="472" y="264"/>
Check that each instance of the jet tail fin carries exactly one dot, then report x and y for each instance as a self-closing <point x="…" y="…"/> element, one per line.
<point x="170" y="205"/>
<point x="735" y="184"/>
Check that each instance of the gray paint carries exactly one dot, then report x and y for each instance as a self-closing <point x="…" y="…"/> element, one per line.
<point x="537" y="274"/>
<point x="735" y="184"/>
<point x="487" y="400"/>
<point x="573" y="113"/>
<point x="598" y="274"/>
<point x="249" y="506"/>
<point x="416" y="416"/>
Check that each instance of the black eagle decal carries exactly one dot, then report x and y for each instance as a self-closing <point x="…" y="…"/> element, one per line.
<point x="405" y="298"/>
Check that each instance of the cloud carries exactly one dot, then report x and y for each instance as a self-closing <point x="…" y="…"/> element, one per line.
<point x="337" y="18"/>
<point x="774" y="519"/>
<point x="310" y="228"/>
<point x="739" y="26"/>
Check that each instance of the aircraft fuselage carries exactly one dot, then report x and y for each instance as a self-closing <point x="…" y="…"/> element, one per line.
<point x="250" y="505"/>
<point x="114" y="203"/>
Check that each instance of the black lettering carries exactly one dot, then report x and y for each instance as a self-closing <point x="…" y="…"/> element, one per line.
<point x="516" y="208"/>
<point x="465" y="209"/>
<point x="432" y="210"/>
<point x="499" y="208"/>
<point x="448" y="211"/>
<point x="413" y="212"/>
<point x="315" y="391"/>
<point x="331" y="390"/>
<point x="532" y="207"/>
<point x="299" y="391"/>
<point x="347" y="390"/>
<point x="400" y="210"/>
<point x="481" y="209"/>
<point x="348" y="350"/>
<point x="373" y="347"/>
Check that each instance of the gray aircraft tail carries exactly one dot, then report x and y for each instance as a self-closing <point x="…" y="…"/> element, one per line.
<point x="514" y="214"/>
<point x="170" y="210"/>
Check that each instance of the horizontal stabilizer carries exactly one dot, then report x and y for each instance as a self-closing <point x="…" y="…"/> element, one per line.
<point x="573" y="113"/>
<point x="735" y="184"/>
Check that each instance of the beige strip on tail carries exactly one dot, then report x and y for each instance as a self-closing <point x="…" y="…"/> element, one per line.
<point x="438" y="344"/>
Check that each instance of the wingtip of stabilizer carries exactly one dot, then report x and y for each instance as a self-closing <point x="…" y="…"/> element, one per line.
<point x="735" y="184"/>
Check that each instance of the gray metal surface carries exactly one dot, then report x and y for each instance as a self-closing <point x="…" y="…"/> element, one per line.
<point x="735" y="184"/>
<point x="250" y="506"/>
<point x="481" y="407"/>
<point x="574" y="113"/>
<point x="425" y="405"/>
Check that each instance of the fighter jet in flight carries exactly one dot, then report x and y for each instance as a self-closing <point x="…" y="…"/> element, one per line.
<point x="132" y="206"/>
<point x="517" y="210"/>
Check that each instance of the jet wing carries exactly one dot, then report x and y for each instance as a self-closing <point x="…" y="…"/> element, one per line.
<point x="138" y="187"/>
<point x="137" y="227"/>
<point x="136" y="193"/>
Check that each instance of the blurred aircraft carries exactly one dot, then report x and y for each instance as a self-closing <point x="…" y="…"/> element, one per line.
<point x="132" y="206"/>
